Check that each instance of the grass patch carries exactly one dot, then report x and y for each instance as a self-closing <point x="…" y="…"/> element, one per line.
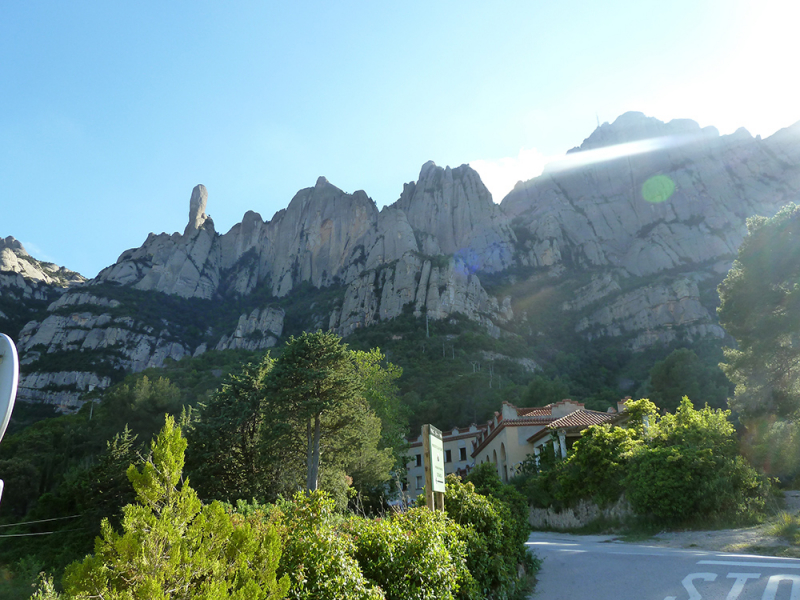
<point x="778" y="551"/>
<point x="787" y="527"/>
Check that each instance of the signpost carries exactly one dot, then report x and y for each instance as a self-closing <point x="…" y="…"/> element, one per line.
<point x="9" y="377"/>
<point x="433" y="452"/>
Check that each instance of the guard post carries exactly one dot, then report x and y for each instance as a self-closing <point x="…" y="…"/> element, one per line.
<point x="433" y="454"/>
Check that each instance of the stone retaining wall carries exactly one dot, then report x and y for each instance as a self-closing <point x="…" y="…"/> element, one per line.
<point x="582" y="514"/>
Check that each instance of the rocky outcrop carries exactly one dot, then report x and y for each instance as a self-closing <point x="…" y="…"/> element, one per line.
<point x="639" y="198"/>
<point x="437" y="290"/>
<point x="186" y="265"/>
<point x="257" y="331"/>
<point x="24" y="277"/>
<point x="197" y="209"/>
<point x="656" y="313"/>
<point x="135" y="347"/>
<point x="323" y="237"/>
<point x="593" y="210"/>
<point x="63" y="388"/>
<point x="456" y="209"/>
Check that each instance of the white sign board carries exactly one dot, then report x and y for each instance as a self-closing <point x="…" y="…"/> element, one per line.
<point x="437" y="459"/>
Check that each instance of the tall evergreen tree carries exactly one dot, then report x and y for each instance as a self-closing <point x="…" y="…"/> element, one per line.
<point x="760" y="307"/>
<point x="314" y="386"/>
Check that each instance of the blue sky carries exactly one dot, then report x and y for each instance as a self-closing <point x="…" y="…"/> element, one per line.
<point x="110" y="113"/>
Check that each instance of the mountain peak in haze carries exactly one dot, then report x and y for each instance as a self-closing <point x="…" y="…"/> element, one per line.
<point x="636" y="126"/>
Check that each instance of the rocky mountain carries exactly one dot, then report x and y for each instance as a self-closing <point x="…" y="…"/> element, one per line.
<point x="654" y="213"/>
<point x="626" y="238"/>
<point x="22" y="277"/>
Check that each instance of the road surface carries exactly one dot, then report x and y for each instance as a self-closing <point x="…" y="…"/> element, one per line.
<point x="597" y="568"/>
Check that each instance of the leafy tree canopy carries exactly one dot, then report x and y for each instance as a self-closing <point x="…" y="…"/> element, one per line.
<point x="760" y="308"/>
<point x="683" y="373"/>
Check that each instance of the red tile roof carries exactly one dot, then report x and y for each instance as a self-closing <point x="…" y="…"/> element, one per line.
<point x="577" y="421"/>
<point x="582" y="418"/>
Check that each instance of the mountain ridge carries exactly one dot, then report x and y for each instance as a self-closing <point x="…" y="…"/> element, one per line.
<point x="632" y="244"/>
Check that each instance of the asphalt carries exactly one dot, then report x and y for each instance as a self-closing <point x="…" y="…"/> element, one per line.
<point x="601" y="568"/>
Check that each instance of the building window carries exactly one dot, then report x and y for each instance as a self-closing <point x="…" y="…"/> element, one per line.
<point x="419" y="482"/>
<point x="448" y="457"/>
<point x="462" y="454"/>
<point x="419" y="460"/>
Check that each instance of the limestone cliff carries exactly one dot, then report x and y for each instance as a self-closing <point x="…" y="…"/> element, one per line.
<point x="24" y="277"/>
<point x="629" y="236"/>
<point x="455" y="208"/>
<point x="641" y="198"/>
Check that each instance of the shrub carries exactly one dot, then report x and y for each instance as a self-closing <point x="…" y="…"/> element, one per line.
<point x="596" y="467"/>
<point x="677" y="468"/>
<point x="415" y="555"/>
<point x="495" y="536"/>
<point x="319" y="555"/>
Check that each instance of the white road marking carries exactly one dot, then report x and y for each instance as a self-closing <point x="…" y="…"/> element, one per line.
<point x="688" y="583"/>
<point x="738" y="585"/>
<point x="763" y="565"/>
<point x="772" y="587"/>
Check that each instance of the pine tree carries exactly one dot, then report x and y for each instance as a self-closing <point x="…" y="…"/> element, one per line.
<point x="172" y="546"/>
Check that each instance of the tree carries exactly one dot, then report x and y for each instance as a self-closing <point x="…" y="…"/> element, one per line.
<point x="308" y="412"/>
<point x="383" y="396"/>
<point x="172" y="546"/>
<point x="314" y="386"/>
<point x="226" y="457"/>
<point x="682" y="373"/>
<point x="543" y="391"/>
<point x="760" y="308"/>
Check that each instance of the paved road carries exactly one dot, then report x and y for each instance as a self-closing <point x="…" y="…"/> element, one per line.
<point x="596" y="568"/>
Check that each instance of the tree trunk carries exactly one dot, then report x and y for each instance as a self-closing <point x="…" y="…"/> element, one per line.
<point x="313" y="454"/>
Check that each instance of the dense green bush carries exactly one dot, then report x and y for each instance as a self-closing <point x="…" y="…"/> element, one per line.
<point x="415" y="555"/>
<point x="596" y="467"/>
<point x="673" y="469"/>
<point x="318" y="556"/>
<point x="691" y="467"/>
<point x="495" y="536"/>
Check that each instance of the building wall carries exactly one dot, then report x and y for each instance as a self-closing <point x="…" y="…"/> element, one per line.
<point x="508" y="448"/>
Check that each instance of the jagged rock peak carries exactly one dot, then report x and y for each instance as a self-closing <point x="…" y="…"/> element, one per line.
<point x="13" y="244"/>
<point x="634" y="126"/>
<point x="426" y="168"/>
<point x="197" y="209"/>
<point x="454" y="206"/>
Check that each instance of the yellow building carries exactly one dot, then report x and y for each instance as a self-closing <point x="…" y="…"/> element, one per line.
<point x="515" y="433"/>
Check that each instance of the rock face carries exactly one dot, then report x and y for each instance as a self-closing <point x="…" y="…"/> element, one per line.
<point x="24" y="277"/>
<point x="597" y="213"/>
<point x="456" y="209"/>
<point x="257" y="331"/>
<point x="186" y="265"/>
<point x="635" y="228"/>
<point x="640" y="198"/>
<point x="197" y="209"/>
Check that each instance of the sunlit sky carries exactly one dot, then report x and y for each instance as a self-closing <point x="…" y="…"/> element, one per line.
<point x="110" y="113"/>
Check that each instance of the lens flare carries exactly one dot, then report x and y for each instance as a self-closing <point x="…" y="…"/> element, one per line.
<point x="583" y="158"/>
<point x="658" y="189"/>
